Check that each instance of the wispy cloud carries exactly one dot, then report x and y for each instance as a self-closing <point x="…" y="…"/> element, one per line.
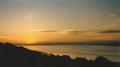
<point x="76" y="32"/>
<point x="67" y="31"/>
<point x="7" y="37"/>
<point x="110" y="31"/>
<point x="50" y="31"/>
<point x="44" y="31"/>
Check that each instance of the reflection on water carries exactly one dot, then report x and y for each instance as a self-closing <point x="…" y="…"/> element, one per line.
<point x="87" y="51"/>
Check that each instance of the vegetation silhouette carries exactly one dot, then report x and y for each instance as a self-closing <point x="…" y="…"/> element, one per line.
<point x="18" y="56"/>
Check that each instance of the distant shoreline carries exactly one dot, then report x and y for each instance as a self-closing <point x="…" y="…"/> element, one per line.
<point x="105" y="43"/>
<point x="69" y="44"/>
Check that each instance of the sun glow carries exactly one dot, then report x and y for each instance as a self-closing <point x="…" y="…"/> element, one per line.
<point x="30" y="41"/>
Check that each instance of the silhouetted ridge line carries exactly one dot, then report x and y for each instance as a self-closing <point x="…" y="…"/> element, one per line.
<point x="14" y="56"/>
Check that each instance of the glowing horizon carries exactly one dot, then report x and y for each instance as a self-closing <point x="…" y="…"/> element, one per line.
<point x="33" y="21"/>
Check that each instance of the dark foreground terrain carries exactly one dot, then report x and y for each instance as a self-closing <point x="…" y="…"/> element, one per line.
<point x="14" y="56"/>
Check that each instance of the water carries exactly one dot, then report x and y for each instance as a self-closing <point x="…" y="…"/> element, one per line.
<point x="86" y="51"/>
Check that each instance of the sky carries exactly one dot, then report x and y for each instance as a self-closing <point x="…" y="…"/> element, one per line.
<point x="37" y="21"/>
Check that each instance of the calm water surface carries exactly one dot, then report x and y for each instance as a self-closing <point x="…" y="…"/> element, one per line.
<point x="86" y="51"/>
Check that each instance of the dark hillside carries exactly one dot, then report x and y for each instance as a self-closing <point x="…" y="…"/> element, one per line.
<point x="14" y="56"/>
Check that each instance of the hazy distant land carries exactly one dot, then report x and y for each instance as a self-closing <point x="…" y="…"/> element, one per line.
<point x="105" y="43"/>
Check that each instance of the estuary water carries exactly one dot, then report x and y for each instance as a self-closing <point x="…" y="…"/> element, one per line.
<point x="84" y="51"/>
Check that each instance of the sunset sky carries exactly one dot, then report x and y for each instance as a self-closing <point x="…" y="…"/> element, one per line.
<point x="36" y="21"/>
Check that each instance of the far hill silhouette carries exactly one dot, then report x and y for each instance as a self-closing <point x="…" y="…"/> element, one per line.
<point x="14" y="56"/>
